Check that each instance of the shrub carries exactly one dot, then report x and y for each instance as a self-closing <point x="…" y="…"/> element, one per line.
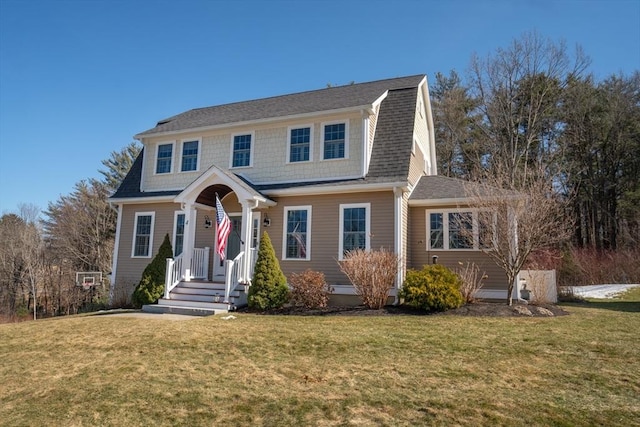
<point x="151" y="286"/>
<point x="434" y="288"/>
<point x="372" y="274"/>
<point x="269" y="287"/>
<point x="309" y="289"/>
<point x="471" y="280"/>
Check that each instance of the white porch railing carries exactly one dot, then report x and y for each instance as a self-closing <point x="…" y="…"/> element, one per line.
<point x="200" y="263"/>
<point x="173" y="275"/>
<point x="233" y="274"/>
<point x="234" y="271"/>
<point x="253" y="257"/>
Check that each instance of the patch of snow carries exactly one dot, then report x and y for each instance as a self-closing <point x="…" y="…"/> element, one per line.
<point x="601" y="291"/>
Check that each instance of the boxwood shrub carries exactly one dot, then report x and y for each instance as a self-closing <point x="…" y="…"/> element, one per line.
<point x="434" y="288"/>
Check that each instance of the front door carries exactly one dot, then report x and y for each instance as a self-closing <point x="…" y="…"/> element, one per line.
<point x="233" y="247"/>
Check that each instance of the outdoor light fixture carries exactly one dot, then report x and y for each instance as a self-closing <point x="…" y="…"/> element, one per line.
<point x="207" y="222"/>
<point x="267" y="221"/>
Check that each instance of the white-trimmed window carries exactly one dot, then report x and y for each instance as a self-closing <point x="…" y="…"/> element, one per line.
<point x="300" y="144"/>
<point x="164" y="157"/>
<point x="143" y="235"/>
<point x="355" y="227"/>
<point x="335" y="140"/>
<point x="464" y="229"/>
<point x="190" y="149"/>
<point x="296" y="242"/>
<point x="241" y="150"/>
<point x="178" y="233"/>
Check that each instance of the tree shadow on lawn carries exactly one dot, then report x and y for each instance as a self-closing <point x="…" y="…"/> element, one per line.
<point x="614" y="305"/>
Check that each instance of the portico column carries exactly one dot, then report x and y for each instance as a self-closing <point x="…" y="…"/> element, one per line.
<point x="189" y="239"/>
<point x="247" y="227"/>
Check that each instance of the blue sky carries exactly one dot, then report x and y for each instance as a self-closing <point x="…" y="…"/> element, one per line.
<point x="79" y="78"/>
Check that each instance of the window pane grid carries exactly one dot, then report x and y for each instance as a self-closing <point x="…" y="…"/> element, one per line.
<point x="296" y="234"/>
<point x="436" y="233"/>
<point x="163" y="164"/>
<point x="300" y="141"/>
<point x="241" y="150"/>
<point x="334" y="141"/>
<point x="190" y="156"/>
<point x="460" y="228"/>
<point x="143" y="236"/>
<point x="354" y="228"/>
<point x="179" y="235"/>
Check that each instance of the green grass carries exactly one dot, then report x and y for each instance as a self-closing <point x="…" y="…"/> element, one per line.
<point x="581" y="369"/>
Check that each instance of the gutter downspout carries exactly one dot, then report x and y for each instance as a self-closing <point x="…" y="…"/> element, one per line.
<point x="398" y="194"/>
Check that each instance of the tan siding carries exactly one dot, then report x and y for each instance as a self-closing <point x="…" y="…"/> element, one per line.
<point x="325" y="216"/>
<point x="130" y="269"/>
<point x="420" y="255"/>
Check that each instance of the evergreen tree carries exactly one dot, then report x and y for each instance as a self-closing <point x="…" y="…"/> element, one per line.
<point x="151" y="286"/>
<point x="269" y="287"/>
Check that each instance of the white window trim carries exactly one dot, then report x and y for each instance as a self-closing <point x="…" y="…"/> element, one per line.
<point x="253" y="144"/>
<point x="175" y="229"/>
<point x="288" y="154"/>
<point x="346" y="139"/>
<point x="445" y="228"/>
<point x="135" y="230"/>
<point x="284" y="232"/>
<point x="367" y="207"/>
<point x="199" y="141"/>
<point x="173" y="157"/>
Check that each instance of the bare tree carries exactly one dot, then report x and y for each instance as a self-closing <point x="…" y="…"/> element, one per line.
<point x="519" y="89"/>
<point x="516" y="220"/>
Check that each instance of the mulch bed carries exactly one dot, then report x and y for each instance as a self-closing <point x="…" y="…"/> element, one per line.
<point x="480" y="309"/>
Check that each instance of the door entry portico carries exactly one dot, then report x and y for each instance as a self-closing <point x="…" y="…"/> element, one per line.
<point x="234" y="246"/>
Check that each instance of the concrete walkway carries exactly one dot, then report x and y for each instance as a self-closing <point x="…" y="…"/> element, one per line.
<point x="143" y="315"/>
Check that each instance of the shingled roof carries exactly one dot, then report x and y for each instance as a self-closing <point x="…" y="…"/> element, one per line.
<point x="391" y="152"/>
<point x="328" y="99"/>
<point x="130" y="186"/>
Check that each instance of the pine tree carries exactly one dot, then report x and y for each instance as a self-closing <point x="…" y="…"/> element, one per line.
<point x="151" y="286"/>
<point x="269" y="287"/>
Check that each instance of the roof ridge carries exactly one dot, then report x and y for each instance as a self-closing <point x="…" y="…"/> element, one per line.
<point x="312" y="91"/>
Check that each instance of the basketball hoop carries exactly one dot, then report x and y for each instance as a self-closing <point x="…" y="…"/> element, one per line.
<point x="88" y="279"/>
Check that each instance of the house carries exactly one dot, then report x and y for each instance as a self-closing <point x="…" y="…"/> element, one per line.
<point x="322" y="172"/>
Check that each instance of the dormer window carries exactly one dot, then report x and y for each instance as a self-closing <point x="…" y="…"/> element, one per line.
<point x="190" y="156"/>
<point x="241" y="151"/>
<point x="300" y="144"/>
<point x="334" y="142"/>
<point x="163" y="158"/>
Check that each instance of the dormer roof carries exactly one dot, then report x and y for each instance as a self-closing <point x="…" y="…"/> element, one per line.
<point x="337" y="98"/>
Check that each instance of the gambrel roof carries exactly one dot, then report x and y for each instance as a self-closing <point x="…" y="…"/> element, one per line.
<point x="391" y="152"/>
<point x="328" y="99"/>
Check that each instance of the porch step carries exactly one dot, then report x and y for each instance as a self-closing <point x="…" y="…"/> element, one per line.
<point x="198" y="298"/>
<point x="201" y="285"/>
<point x="207" y="293"/>
<point x="208" y="305"/>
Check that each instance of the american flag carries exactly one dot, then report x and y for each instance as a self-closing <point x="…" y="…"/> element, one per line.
<point x="223" y="227"/>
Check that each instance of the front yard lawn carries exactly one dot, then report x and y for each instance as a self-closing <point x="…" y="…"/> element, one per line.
<point x="580" y="369"/>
